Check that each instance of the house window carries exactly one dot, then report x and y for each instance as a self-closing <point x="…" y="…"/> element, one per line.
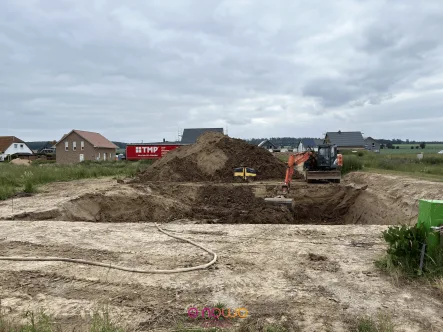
<point x="21" y="146"/>
<point x="66" y="146"/>
<point x="82" y="145"/>
<point x="110" y="155"/>
<point x="74" y="146"/>
<point x="104" y="156"/>
<point x="15" y="146"/>
<point x="98" y="158"/>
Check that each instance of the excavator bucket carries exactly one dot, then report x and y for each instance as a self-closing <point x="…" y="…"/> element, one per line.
<point x="332" y="175"/>
<point x="280" y="200"/>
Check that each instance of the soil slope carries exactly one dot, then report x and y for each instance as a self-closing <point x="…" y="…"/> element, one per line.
<point x="213" y="158"/>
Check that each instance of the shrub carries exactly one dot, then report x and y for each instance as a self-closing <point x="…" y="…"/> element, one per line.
<point x="432" y="160"/>
<point x="351" y="164"/>
<point x="405" y="245"/>
<point x="345" y="152"/>
<point x="397" y="147"/>
<point x="29" y="187"/>
<point x="388" y="164"/>
<point x="360" y="153"/>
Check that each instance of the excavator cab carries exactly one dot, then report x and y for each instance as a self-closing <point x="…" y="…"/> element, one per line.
<point x="326" y="157"/>
<point x="325" y="164"/>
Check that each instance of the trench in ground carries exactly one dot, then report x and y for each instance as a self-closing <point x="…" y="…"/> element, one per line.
<point x="227" y="203"/>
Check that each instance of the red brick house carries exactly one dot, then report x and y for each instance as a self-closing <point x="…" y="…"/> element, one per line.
<point x="81" y="145"/>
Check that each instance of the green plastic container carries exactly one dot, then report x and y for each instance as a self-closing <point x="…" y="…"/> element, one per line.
<point x="430" y="213"/>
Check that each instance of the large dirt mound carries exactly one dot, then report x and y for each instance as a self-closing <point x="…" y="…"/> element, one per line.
<point x="213" y="158"/>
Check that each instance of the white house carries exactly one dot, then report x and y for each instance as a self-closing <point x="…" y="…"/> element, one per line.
<point x="10" y="145"/>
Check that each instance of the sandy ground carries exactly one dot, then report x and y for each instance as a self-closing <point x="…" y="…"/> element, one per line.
<point x="315" y="276"/>
<point x="56" y="194"/>
<point x="395" y="197"/>
<point x="264" y="268"/>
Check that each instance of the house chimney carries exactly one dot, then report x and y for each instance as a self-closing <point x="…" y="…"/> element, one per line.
<point x="164" y="140"/>
<point x="339" y="131"/>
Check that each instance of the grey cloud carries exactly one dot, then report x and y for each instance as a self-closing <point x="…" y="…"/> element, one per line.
<point x="142" y="69"/>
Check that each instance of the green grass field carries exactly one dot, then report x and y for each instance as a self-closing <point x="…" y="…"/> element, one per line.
<point x="18" y="178"/>
<point x="406" y="149"/>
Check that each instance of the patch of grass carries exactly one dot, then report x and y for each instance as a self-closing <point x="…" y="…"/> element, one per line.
<point x="16" y="178"/>
<point x="101" y="322"/>
<point x="197" y="329"/>
<point x="261" y="325"/>
<point x="351" y="164"/>
<point x="380" y="323"/>
<point x="40" y="322"/>
<point x="43" y="322"/>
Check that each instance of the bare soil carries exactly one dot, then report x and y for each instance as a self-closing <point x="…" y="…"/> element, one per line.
<point x="314" y="276"/>
<point x="213" y="158"/>
<point x="363" y="198"/>
<point x="311" y="277"/>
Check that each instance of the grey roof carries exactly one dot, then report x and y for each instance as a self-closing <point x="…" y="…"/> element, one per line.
<point x="319" y="141"/>
<point x="190" y="135"/>
<point x="267" y="141"/>
<point x="346" y="138"/>
<point x="308" y="142"/>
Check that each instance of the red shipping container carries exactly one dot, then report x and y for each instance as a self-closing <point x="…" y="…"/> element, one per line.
<point x="148" y="151"/>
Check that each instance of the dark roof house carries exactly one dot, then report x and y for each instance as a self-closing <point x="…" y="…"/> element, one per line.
<point x="372" y="144"/>
<point x="42" y="146"/>
<point x="308" y="142"/>
<point x="319" y="141"/>
<point x="267" y="144"/>
<point x="190" y="135"/>
<point x="346" y="139"/>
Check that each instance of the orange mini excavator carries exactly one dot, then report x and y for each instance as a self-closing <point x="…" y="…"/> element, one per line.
<point x="323" y="164"/>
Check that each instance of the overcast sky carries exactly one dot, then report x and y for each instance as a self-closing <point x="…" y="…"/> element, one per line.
<point x="141" y="70"/>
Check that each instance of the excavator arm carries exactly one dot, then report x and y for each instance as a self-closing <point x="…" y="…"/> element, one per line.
<point x="294" y="160"/>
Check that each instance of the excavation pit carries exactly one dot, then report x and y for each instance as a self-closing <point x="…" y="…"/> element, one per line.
<point x="224" y="204"/>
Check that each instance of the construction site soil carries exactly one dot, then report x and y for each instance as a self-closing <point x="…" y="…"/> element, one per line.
<point x="312" y="277"/>
<point x="213" y="158"/>
<point x="206" y="202"/>
<point x="362" y="199"/>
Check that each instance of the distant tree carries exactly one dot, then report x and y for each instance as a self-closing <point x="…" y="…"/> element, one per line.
<point x="397" y="147"/>
<point x="423" y="145"/>
<point x="417" y="147"/>
<point x="389" y="145"/>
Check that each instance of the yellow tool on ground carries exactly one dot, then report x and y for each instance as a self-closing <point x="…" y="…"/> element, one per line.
<point x="245" y="173"/>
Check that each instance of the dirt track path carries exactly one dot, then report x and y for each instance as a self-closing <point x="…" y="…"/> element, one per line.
<point x="265" y="268"/>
